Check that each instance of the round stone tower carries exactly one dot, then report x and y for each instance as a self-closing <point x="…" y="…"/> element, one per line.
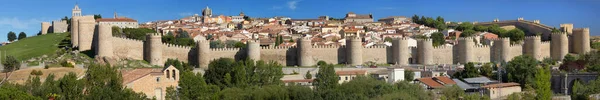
<point x="532" y="47"/>
<point x="304" y="52"/>
<point x="105" y="48"/>
<point x="153" y="49"/>
<point x="203" y="47"/>
<point x="253" y="50"/>
<point x="75" y="31"/>
<point x="567" y="27"/>
<point x="425" y="55"/>
<point x="559" y="46"/>
<point x="502" y="46"/>
<point x="465" y="53"/>
<point x="45" y="27"/>
<point x="354" y="50"/>
<point x="400" y="51"/>
<point x="87" y="26"/>
<point x="581" y="40"/>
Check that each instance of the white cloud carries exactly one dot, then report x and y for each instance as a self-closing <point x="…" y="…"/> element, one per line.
<point x="292" y="4"/>
<point x="276" y="7"/>
<point x="16" y="23"/>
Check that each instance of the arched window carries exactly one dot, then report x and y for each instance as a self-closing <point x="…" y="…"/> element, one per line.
<point x="168" y="75"/>
<point x="174" y="75"/>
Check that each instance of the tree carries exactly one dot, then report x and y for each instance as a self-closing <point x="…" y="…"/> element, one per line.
<point x="438" y="39"/>
<point x="465" y="26"/>
<point x="388" y="39"/>
<point x="520" y="69"/>
<point x="326" y="79"/>
<point x="569" y="58"/>
<point x="10" y="64"/>
<point x="469" y="71"/>
<point x="297" y="92"/>
<point x="308" y="75"/>
<point x="409" y="75"/>
<point x="171" y="93"/>
<point x="105" y="82"/>
<point x="542" y="84"/>
<point x="467" y="33"/>
<point x="288" y="22"/>
<point x="486" y="69"/>
<point x="193" y="87"/>
<point x="481" y="28"/>
<point x="515" y="35"/>
<point x="440" y="19"/>
<point x="415" y="18"/>
<point x="22" y="35"/>
<point x="452" y="92"/>
<point x="70" y="87"/>
<point x="96" y="16"/>
<point x="11" y="36"/>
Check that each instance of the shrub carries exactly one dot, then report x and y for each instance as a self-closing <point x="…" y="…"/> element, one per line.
<point x="67" y="64"/>
<point x="46" y="67"/>
<point x="36" y="72"/>
<point x="321" y="62"/>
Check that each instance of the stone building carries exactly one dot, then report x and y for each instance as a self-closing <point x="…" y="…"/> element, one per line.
<point x="501" y="90"/>
<point x="121" y="22"/>
<point x="356" y="18"/>
<point x="153" y="82"/>
<point x="394" y="19"/>
<point x="59" y="26"/>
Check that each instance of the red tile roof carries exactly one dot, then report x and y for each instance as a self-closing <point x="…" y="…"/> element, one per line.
<point x="351" y="72"/>
<point x="115" y="20"/>
<point x="430" y="82"/>
<point x="134" y="74"/>
<point x="445" y="80"/>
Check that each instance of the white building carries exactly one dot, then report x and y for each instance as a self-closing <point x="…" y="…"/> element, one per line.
<point x="121" y="22"/>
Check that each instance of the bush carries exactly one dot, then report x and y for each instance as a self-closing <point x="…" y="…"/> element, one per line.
<point x="67" y="64"/>
<point x="36" y="72"/>
<point x="46" y="67"/>
<point x="320" y="63"/>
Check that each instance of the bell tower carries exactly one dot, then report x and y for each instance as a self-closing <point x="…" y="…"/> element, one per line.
<point x="76" y="11"/>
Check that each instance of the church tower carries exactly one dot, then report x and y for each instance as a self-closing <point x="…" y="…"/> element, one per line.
<point x="207" y="12"/>
<point x="76" y="11"/>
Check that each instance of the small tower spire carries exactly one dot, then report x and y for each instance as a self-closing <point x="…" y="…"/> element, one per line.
<point x="115" y="15"/>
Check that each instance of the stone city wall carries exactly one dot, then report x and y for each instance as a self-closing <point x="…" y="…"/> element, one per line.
<point x="128" y="48"/>
<point x="377" y="54"/>
<point x="282" y="55"/>
<point x="171" y="51"/>
<point x="443" y="55"/>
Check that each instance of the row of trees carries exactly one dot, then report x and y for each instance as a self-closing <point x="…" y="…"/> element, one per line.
<point x="227" y="44"/>
<point x="230" y="79"/>
<point x="438" y="22"/>
<point x="525" y="70"/>
<point x="132" y="33"/>
<point x="468" y="29"/>
<point x="101" y="82"/>
<point x="183" y="38"/>
<point x="12" y="36"/>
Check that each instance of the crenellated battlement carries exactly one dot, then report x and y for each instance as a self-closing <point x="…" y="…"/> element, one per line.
<point x="176" y="46"/>
<point x="481" y="46"/>
<point x="536" y="37"/>
<point x="279" y="47"/>
<point x="128" y="39"/>
<point x="325" y="46"/>
<point x="443" y="47"/>
<point x="517" y="44"/>
<point x="375" y="46"/>
<point x="465" y="38"/>
<point x="224" y="49"/>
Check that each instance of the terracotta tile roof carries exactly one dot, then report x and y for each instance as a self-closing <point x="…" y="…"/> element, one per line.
<point x="115" y="20"/>
<point x="501" y="85"/>
<point x="351" y="72"/>
<point x="445" y="80"/>
<point x="134" y="74"/>
<point x="430" y="82"/>
<point x="298" y="80"/>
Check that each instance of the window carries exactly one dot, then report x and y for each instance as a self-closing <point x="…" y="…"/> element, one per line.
<point x="346" y="77"/>
<point x="168" y="74"/>
<point x="157" y="79"/>
<point x="174" y="77"/>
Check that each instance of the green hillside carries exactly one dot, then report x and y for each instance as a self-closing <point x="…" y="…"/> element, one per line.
<point x="34" y="46"/>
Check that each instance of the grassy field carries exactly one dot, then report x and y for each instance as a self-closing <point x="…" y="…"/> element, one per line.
<point x="20" y="76"/>
<point x="34" y="46"/>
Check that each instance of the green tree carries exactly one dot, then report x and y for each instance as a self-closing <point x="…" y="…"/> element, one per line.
<point x="569" y="58"/>
<point x="465" y="26"/>
<point x="116" y="31"/>
<point x="409" y="75"/>
<point x="193" y="87"/>
<point x="326" y="79"/>
<point x="171" y="93"/>
<point x="467" y="33"/>
<point x="415" y="18"/>
<point x="542" y="84"/>
<point x="469" y="71"/>
<point x="520" y="69"/>
<point x="452" y="92"/>
<point x="22" y="35"/>
<point x="97" y="16"/>
<point x="438" y="39"/>
<point x="481" y="28"/>
<point x="11" y="36"/>
<point x="515" y="35"/>
<point x="10" y="64"/>
<point x="486" y="69"/>
<point x="308" y="75"/>
<point x="105" y="82"/>
<point x="297" y="92"/>
<point x="440" y="19"/>
<point x="70" y="87"/>
<point x="388" y="39"/>
<point x="13" y="93"/>
<point x="362" y="87"/>
<point x="595" y="45"/>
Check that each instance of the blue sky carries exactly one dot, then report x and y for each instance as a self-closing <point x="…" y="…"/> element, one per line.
<point x="26" y="15"/>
